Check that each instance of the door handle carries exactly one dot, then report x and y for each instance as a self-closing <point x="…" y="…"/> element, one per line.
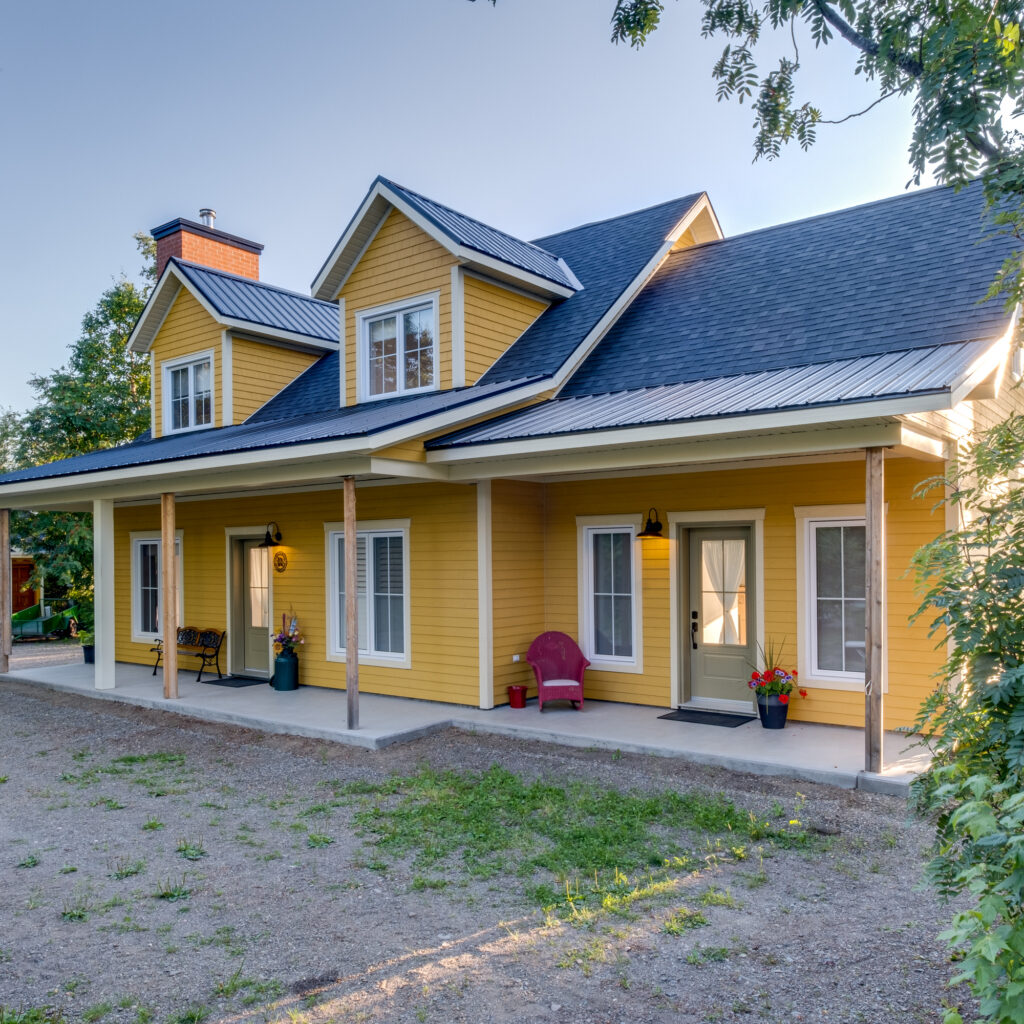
<point x="693" y="630"/>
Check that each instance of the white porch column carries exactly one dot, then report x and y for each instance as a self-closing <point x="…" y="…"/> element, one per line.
<point x="351" y="612"/>
<point x="485" y="600"/>
<point x="103" y="591"/>
<point x="169" y="596"/>
<point x="6" y="590"/>
<point x="874" y="632"/>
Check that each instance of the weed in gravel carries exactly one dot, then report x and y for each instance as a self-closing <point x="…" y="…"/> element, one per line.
<point x="35" y="900"/>
<point x="593" y="952"/>
<point x="191" y="849"/>
<point x="316" y="840"/>
<point x="108" y="804"/>
<point x="233" y="985"/>
<point x="708" y="955"/>
<point x="3" y="779"/>
<point x="195" y="1014"/>
<point x="716" y="898"/>
<point x="172" y="890"/>
<point x="419" y="883"/>
<point x="6" y="956"/>
<point x="262" y="991"/>
<point x="76" y="909"/>
<point x="143" y="1015"/>
<point x="68" y="869"/>
<point x="315" y="809"/>
<point x="152" y="825"/>
<point x="683" y="919"/>
<point x="126" y="867"/>
<point x="31" y="861"/>
<point x="96" y="1012"/>
<point x="31" y="1015"/>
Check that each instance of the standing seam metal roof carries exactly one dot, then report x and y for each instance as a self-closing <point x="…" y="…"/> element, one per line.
<point x="262" y="304"/>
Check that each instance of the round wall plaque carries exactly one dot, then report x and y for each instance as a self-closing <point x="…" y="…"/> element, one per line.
<point x="280" y="561"/>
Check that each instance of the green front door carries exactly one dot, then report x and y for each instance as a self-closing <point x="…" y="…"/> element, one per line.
<point x="719" y="629"/>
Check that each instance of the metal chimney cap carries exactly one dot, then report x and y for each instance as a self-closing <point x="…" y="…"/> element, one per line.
<point x="207" y="216"/>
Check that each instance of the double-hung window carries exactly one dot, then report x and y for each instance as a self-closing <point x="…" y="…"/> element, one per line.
<point x="382" y="592"/>
<point x="834" y="599"/>
<point x="399" y="348"/>
<point x="608" y="594"/>
<point x="188" y="393"/>
<point x="147" y="584"/>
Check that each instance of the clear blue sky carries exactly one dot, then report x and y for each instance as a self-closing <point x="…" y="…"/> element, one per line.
<point x="118" y="115"/>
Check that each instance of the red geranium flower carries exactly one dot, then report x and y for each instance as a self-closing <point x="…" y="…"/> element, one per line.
<point x="803" y="693"/>
<point x="783" y="698"/>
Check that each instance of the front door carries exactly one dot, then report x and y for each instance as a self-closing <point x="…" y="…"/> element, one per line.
<point x="719" y="632"/>
<point x="251" y="646"/>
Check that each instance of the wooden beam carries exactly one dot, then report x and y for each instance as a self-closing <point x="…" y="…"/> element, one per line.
<point x="6" y="590"/>
<point x="351" y="612"/>
<point x="874" y="626"/>
<point x="103" y="593"/>
<point x="169" y="595"/>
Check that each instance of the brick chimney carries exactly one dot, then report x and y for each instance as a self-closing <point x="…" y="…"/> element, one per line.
<point x="204" y="244"/>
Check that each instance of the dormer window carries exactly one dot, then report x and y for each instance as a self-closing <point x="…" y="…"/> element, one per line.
<point x="188" y="393"/>
<point x="398" y="348"/>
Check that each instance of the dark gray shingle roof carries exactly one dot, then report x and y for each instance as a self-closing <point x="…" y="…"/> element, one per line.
<point x="898" y="274"/>
<point x="606" y="256"/>
<point x="261" y="304"/>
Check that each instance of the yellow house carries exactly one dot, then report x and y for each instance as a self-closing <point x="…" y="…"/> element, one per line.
<point x="638" y="431"/>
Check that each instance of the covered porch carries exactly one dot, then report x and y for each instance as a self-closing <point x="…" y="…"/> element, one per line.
<point x="828" y="754"/>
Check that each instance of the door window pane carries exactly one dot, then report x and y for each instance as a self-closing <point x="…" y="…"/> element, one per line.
<point x="611" y="553"/>
<point x="724" y="591"/>
<point x="839" y="598"/>
<point x="259" y="588"/>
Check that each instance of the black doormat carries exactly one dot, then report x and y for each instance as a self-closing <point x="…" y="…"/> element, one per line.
<point x="237" y="681"/>
<point x="708" y="718"/>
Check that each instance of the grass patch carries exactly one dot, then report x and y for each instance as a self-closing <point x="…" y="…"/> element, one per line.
<point x="68" y="869"/>
<point x="96" y="1012"/>
<point x="172" y="890"/>
<point x="3" y="779"/>
<point x="708" y="955"/>
<point x="195" y="1014"/>
<point x="31" y="861"/>
<point x="76" y="909"/>
<point x="716" y="898"/>
<point x="125" y="867"/>
<point x="420" y="884"/>
<point x="108" y="804"/>
<point x="152" y="825"/>
<point x="31" y="1015"/>
<point x="683" y="919"/>
<point x="191" y="849"/>
<point x="316" y="840"/>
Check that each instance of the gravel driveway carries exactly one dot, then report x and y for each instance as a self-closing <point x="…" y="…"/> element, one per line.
<point x="154" y="869"/>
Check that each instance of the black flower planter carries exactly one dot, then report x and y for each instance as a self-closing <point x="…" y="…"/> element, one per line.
<point x="286" y="671"/>
<point x="89" y="653"/>
<point x="772" y="712"/>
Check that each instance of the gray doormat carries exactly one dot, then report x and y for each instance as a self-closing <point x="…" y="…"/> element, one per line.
<point x="708" y="718"/>
<point x="237" y="681"/>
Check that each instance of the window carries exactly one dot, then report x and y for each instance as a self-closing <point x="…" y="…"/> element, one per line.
<point x="147" y="575"/>
<point x="399" y="348"/>
<point x="609" y="610"/>
<point x="836" y="603"/>
<point x="188" y="393"/>
<point x="382" y="593"/>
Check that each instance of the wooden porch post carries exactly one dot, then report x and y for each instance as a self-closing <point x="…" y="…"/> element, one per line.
<point x="103" y="591"/>
<point x="6" y="590"/>
<point x="874" y="632"/>
<point x="351" y="612"/>
<point x="169" y="596"/>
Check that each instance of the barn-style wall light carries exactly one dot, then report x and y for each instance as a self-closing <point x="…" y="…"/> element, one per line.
<point x="653" y="527"/>
<point x="273" y="537"/>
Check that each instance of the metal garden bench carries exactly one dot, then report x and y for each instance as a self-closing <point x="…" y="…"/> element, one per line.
<point x="204" y="644"/>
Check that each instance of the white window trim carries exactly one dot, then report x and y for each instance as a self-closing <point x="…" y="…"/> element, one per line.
<point x="148" y="536"/>
<point x="335" y="645"/>
<point x="165" y="379"/>
<point x="833" y="515"/>
<point x="364" y="316"/>
<point x="585" y="525"/>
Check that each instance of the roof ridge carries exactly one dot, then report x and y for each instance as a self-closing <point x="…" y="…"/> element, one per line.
<point x="241" y="279"/>
<point x="692" y="197"/>
<point x="476" y="220"/>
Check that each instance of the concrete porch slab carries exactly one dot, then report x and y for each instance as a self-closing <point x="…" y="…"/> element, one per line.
<point x="817" y="753"/>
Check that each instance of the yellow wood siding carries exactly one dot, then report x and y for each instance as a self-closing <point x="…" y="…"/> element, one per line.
<point x="494" y="318"/>
<point x="913" y="657"/>
<point x="259" y="371"/>
<point x="400" y="263"/>
<point x="187" y="329"/>
<point x="517" y="567"/>
<point x="442" y="573"/>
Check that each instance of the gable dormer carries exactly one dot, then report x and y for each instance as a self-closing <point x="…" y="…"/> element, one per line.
<point x="430" y="298"/>
<point x="222" y="343"/>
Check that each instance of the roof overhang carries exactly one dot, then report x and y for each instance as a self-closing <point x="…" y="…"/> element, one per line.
<point x="172" y="280"/>
<point x="373" y="211"/>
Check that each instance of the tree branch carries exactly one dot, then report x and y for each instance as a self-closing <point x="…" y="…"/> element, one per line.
<point x="906" y="64"/>
<point x="861" y="113"/>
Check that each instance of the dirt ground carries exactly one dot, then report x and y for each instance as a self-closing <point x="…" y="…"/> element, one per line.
<point x="103" y="917"/>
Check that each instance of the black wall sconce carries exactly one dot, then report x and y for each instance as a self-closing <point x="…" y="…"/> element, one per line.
<point x="653" y="527"/>
<point x="273" y="537"/>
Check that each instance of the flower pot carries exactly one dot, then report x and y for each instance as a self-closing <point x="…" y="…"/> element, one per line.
<point x="286" y="671"/>
<point x="89" y="653"/>
<point x="517" y="696"/>
<point x="772" y="711"/>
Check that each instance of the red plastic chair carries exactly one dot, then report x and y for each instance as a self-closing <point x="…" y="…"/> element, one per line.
<point x="558" y="664"/>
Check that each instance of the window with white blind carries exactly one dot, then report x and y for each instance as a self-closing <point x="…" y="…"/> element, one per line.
<point x="382" y="593"/>
<point x="147" y="583"/>
<point x="188" y="393"/>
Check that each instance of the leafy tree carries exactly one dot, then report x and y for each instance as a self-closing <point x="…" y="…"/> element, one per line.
<point x="974" y="791"/>
<point x="962" y="63"/>
<point x="98" y="399"/>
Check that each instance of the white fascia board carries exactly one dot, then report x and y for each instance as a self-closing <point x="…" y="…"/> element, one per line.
<point x="622" y="303"/>
<point x="152" y="317"/>
<point x="992" y="360"/>
<point x="688" y="430"/>
<point x="342" y="243"/>
<point x="303" y="341"/>
<point x="534" y="282"/>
